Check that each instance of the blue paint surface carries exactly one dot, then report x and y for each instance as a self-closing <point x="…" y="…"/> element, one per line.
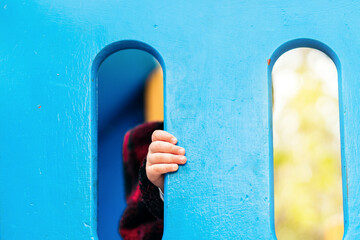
<point x="217" y="102"/>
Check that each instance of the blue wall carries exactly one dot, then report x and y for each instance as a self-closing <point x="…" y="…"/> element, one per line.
<point x="217" y="102"/>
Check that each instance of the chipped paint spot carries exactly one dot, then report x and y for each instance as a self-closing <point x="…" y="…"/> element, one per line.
<point x="39" y="106"/>
<point x="268" y="61"/>
<point x="232" y="168"/>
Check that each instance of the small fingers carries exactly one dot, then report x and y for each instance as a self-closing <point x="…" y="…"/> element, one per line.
<point x="164" y="168"/>
<point x="165" y="147"/>
<point x="157" y="158"/>
<point x="160" y="135"/>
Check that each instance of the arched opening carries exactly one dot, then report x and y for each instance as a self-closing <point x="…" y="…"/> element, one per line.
<point x="306" y="142"/>
<point x="129" y="78"/>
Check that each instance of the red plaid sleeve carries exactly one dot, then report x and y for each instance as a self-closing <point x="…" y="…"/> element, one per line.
<point x="142" y="218"/>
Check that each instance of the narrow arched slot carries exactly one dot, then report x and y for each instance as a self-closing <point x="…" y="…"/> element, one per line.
<point x="129" y="86"/>
<point x="306" y="144"/>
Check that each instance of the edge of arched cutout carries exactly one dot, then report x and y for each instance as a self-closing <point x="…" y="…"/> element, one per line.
<point x="123" y="45"/>
<point x="315" y="44"/>
<point x="96" y="63"/>
<point x="304" y="42"/>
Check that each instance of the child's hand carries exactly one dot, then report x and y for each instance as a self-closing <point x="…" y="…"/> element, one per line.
<point x="163" y="157"/>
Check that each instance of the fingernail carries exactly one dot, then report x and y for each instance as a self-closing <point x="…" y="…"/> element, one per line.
<point x="181" y="151"/>
<point x="174" y="140"/>
<point x="183" y="159"/>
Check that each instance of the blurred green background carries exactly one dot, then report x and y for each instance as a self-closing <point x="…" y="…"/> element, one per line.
<point x="307" y="174"/>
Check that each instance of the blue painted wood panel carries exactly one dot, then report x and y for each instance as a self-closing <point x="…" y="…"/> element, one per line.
<point x="217" y="102"/>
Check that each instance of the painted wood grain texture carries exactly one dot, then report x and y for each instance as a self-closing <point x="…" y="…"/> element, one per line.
<point x="217" y="102"/>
